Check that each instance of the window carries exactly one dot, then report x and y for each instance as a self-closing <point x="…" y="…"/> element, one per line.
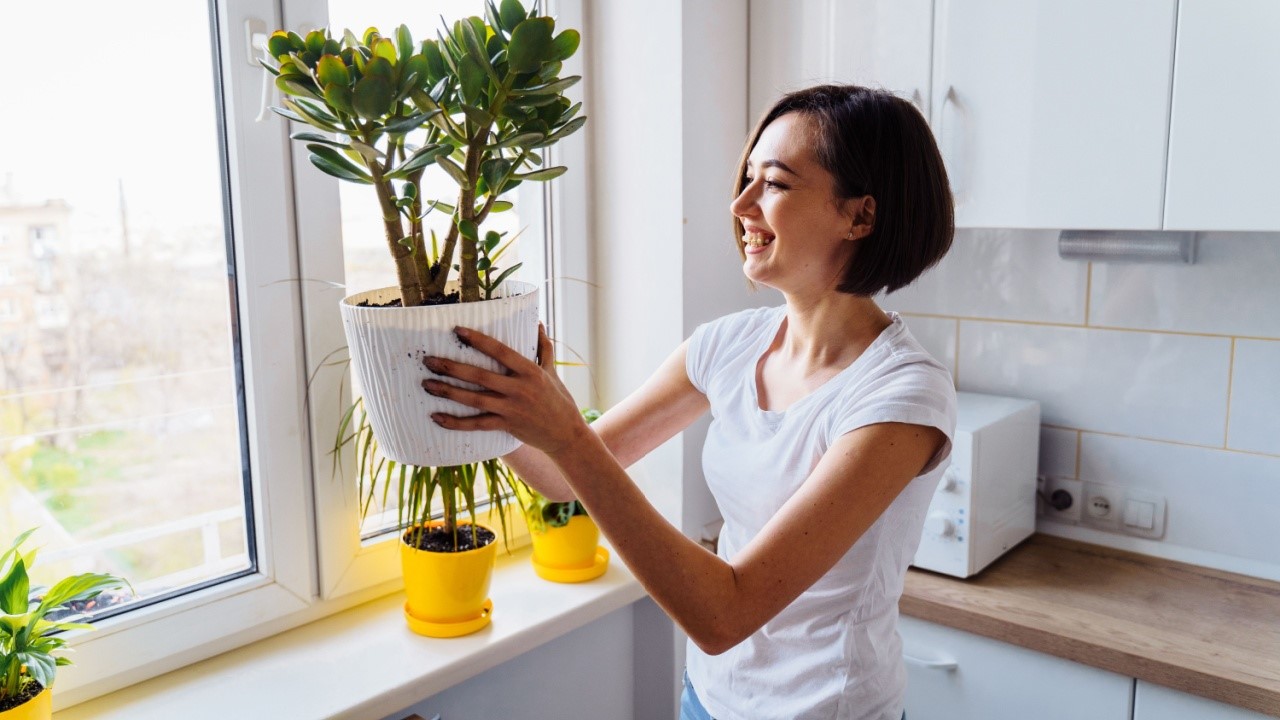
<point x="122" y="434"/>
<point x="140" y="421"/>
<point x="155" y="419"/>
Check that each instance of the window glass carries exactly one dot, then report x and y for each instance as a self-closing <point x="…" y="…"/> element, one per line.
<point x="120" y="419"/>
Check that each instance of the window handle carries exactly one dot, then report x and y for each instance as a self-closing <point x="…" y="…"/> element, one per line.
<point x="255" y="32"/>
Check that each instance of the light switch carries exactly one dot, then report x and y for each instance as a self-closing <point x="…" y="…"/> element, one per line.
<point x="1139" y="514"/>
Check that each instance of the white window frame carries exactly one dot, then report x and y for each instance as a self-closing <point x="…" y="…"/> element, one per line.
<point x="311" y="560"/>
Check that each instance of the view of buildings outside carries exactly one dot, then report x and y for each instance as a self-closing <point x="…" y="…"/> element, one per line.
<point x="119" y="419"/>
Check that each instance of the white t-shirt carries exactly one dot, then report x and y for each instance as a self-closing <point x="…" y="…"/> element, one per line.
<point x="834" y="652"/>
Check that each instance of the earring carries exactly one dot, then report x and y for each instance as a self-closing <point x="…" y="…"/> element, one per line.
<point x="850" y="235"/>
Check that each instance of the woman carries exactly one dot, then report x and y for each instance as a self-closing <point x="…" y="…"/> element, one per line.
<point x="831" y="424"/>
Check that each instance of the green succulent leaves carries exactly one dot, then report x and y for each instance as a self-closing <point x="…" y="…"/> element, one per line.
<point x="480" y="100"/>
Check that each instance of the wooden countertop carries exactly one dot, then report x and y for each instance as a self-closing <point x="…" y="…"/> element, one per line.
<point x="1206" y="632"/>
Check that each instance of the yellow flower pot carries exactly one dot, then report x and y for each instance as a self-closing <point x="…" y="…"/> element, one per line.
<point x="448" y="593"/>
<point x="570" y="553"/>
<point x="38" y="708"/>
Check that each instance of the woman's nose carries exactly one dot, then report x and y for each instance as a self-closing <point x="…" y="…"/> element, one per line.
<point x="743" y="203"/>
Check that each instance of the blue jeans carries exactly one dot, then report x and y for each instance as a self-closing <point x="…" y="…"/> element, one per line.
<point x="691" y="708"/>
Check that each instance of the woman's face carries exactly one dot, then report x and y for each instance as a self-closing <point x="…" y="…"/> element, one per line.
<point x="797" y="232"/>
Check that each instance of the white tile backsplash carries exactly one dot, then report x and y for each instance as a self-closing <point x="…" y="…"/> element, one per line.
<point x="1216" y="500"/>
<point x="938" y="336"/>
<point x="1232" y="289"/>
<point x="1255" y="397"/>
<point x="1139" y="384"/>
<point x="1003" y="274"/>
<point x="1169" y="387"/>
<point x="1058" y="452"/>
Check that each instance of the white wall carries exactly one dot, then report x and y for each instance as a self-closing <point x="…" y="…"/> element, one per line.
<point x="1164" y="378"/>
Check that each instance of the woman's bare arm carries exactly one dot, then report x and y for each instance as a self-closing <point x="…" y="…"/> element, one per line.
<point x="719" y="603"/>
<point x="664" y="405"/>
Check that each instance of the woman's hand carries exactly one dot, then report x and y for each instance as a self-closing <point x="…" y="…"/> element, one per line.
<point x="529" y="401"/>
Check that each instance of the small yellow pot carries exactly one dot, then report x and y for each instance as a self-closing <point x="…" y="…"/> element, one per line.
<point x="570" y="553"/>
<point x="448" y="593"/>
<point x="38" y="708"/>
<point x="571" y="546"/>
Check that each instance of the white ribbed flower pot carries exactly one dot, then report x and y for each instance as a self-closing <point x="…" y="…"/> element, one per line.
<point x="387" y="346"/>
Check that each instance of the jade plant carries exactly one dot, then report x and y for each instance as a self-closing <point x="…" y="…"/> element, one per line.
<point x="30" y="646"/>
<point x="542" y="513"/>
<point x="483" y="101"/>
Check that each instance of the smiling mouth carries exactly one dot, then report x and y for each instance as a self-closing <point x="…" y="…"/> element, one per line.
<point x="756" y="239"/>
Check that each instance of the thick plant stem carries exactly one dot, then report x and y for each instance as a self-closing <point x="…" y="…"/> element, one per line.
<point x="441" y="278"/>
<point x="470" y="276"/>
<point x="406" y="273"/>
<point x="421" y="259"/>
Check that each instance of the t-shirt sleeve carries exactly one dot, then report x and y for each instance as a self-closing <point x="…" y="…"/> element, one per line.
<point x="711" y="342"/>
<point x="697" y="359"/>
<point x="917" y="393"/>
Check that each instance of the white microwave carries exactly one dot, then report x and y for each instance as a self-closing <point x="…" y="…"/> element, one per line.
<point x="986" y="500"/>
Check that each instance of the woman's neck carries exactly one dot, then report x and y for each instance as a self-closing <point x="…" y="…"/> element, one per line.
<point x="831" y="329"/>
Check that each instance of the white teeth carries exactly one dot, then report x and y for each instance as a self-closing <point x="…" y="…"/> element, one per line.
<point x="757" y="239"/>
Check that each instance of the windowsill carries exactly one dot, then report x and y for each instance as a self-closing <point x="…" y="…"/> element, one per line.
<point x="365" y="662"/>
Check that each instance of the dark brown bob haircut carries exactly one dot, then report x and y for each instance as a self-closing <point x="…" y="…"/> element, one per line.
<point x="874" y="143"/>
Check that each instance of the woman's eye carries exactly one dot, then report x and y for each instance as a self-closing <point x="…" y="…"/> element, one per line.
<point x="769" y="184"/>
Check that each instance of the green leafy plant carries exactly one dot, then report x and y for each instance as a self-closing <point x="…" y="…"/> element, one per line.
<point x="542" y="513"/>
<point x="416" y="487"/>
<point x="30" y="651"/>
<point x="482" y="101"/>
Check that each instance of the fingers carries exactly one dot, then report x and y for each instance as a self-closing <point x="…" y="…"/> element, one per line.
<point x="546" y="350"/>
<point x="512" y="360"/>
<point x="469" y="373"/>
<point x="486" y="421"/>
<point x="479" y="400"/>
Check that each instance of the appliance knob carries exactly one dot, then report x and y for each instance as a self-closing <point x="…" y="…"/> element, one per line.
<point x="939" y="525"/>
<point x="948" y="482"/>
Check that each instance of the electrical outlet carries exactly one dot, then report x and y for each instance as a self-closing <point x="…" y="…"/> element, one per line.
<point x="1065" y="499"/>
<point x="1103" y="506"/>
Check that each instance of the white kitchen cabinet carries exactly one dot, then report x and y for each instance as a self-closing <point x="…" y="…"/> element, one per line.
<point x="879" y="43"/>
<point x="1054" y="114"/>
<point x="1224" y="143"/>
<point x="960" y="676"/>
<point x="1155" y="702"/>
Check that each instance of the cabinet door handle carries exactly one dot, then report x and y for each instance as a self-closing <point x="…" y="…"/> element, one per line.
<point x="917" y="99"/>
<point x="952" y="153"/>
<point x="943" y="664"/>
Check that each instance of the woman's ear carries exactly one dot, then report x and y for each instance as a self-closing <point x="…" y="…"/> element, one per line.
<point x="862" y="213"/>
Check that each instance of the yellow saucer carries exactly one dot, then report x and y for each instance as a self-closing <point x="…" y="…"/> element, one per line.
<point x="449" y="630"/>
<point x="575" y="575"/>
